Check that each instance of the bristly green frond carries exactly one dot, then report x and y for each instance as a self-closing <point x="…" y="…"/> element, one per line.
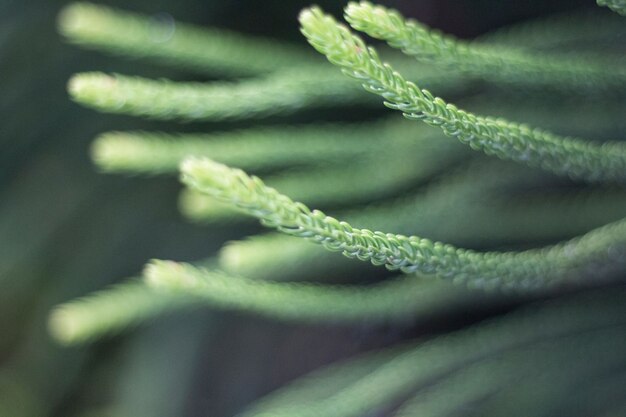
<point x="451" y="213"/>
<point x="111" y="310"/>
<point x="270" y="147"/>
<point x="490" y="62"/>
<point x="261" y="148"/>
<point x="447" y="209"/>
<point x="340" y="185"/>
<point x="279" y="93"/>
<point x="370" y="382"/>
<point x="164" y="40"/>
<point x="394" y="176"/>
<point x="573" y="157"/>
<point x="618" y="6"/>
<point x="519" y="270"/>
<point x="370" y="178"/>
<point x="396" y="299"/>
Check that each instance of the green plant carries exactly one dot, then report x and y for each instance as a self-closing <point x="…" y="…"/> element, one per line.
<point x="467" y="198"/>
<point x="617" y="6"/>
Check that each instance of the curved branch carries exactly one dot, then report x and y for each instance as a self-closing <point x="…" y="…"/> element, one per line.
<point x="573" y="157"/>
<point x="520" y="270"/>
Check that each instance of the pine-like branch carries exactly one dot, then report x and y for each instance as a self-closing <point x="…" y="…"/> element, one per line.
<point x="280" y="93"/>
<point x="465" y="210"/>
<point x="269" y="148"/>
<point x="453" y="208"/>
<point x="501" y="64"/>
<point x="520" y="270"/>
<point x="369" y="179"/>
<point x="582" y="332"/>
<point x="283" y="93"/>
<point x="202" y="49"/>
<point x="112" y="310"/>
<point x="573" y="157"/>
<point x="349" y="184"/>
<point x="266" y="148"/>
<point x="395" y="299"/>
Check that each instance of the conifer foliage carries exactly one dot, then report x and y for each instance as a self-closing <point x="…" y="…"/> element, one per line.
<point x="421" y="195"/>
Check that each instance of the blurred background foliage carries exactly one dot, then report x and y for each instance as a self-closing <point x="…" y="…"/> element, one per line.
<point x="67" y="230"/>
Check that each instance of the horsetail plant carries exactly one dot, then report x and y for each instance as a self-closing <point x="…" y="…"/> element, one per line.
<point x="403" y="179"/>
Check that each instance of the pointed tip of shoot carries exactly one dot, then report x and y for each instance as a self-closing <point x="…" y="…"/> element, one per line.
<point x="358" y="10"/>
<point x="157" y="274"/>
<point x="74" y="18"/>
<point x="65" y="325"/>
<point x="119" y="152"/>
<point x="205" y="174"/>
<point x="167" y="275"/>
<point x="190" y="166"/>
<point x="375" y="20"/>
<point x="89" y="87"/>
<point x="76" y="84"/>
<point x="354" y="7"/>
<point x="83" y="22"/>
<point x="328" y="36"/>
<point x="231" y="258"/>
<point x="306" y="15"/>
<point x="106" y="150"/>
<point x="311" y="18"/>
